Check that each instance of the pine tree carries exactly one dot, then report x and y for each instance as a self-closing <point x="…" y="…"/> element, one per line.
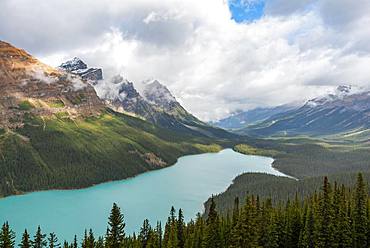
<point x="90" y="242"/>
<point x="84" y="240"/>
<point x="236" y="211"/>
<point x="359" y="214"/>
<point x="26" y="242"/>
<point x="342" y="229"/>
<point x="212" y="238"/>
<point x="170" y="237"/>
<point x="115" y="232"/>
<point x="53" y="241"/>
<point x="159" y="232"/>
<point x="145" y="232"/>
<point x="7" y="236"/>
<point x="75" y="244"/>
<point x="180" y="230"/>
<point x="325" y="214"/>
<point x="39" y="239"/>
<point x="308" y="233"/>
<point x="198" y="232"/>
<point x="99" y="243"/>
<point x="272" y="232"/>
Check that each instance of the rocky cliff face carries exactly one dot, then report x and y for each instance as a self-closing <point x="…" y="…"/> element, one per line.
<point x="28" y="86"/>
<point x="121" y="95"/>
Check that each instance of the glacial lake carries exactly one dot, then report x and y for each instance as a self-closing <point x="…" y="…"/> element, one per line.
<point x="187" y="185"/>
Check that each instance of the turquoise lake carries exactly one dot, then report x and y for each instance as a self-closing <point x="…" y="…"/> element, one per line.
<point x="187" y="185"/>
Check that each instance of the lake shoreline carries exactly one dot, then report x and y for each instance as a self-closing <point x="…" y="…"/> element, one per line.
<point x="106" y="182"/>
<point x="147" y="195"/>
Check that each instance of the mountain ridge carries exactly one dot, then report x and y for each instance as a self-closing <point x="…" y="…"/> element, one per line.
<point x="155" y="103"/>
<point x="328" y="115"/>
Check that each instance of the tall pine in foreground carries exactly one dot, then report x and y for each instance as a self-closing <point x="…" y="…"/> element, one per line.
<point x="26" y="242"/>
<point x="212" y="238"/>
<point x="115" y="233"/>
<point x="7" y="236"/>
<point x="39" y="239"/>
<point x="325" y="237"/>
<point x="360" y="220"/>
<point x="53" y="241"/>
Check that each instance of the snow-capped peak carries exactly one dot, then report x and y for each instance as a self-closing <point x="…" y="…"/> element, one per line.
<point x="78" y="67"/>
<point x="158" y="94"/>
<point x="339" y="93"/>
<point x="73" y="65"/>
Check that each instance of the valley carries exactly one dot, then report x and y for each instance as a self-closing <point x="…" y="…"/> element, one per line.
<point x="67" y="134"/>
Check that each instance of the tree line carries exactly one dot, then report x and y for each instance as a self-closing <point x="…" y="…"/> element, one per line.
<point x="336" y="216"/>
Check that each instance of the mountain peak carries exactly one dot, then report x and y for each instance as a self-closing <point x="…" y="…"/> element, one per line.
<point x="339" y="93"/>
<point x="73" y="65"/>
<point x="158" y="94"/>
<point x="78" y="67"/>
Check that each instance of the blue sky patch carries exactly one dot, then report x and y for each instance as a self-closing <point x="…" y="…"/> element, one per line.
<point x="246" y="10"/>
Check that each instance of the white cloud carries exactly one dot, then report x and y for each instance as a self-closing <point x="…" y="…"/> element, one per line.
<point x="213" y="65"/>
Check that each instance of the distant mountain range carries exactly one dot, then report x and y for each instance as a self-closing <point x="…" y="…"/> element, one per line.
<point x="249" y="117"/>
<point x="156" y="104"/>
<point x="345" y="110"/>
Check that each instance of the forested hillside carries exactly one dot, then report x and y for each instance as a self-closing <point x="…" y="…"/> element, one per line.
<point x="64" y="153"/>
<point x="303" y="157"/>
<point x="334" y="217"/>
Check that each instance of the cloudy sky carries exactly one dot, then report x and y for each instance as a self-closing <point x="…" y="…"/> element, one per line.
<point x="216" y="56"/>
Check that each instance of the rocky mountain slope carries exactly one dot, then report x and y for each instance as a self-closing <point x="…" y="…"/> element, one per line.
<point x="28" y="86"/>
<point x="345" y="110"/>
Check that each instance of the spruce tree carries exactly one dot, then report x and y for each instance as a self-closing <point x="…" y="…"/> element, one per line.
<point x="342" y="229"/>
<point x="26" y="242"/>
<point x="115" y="232"/>
<point x="75" y="244"/>
<point x="198" y="232"/>
<point x="84" y="240"/>
<point x="39" y="239"/>
<point x="170" y="237"/>
<point x="7" y="236"/>
<point x="212" y="238"/>
<point x="359" y="214"/>
<point x="308" y="233"/>
<point x="236" y="210"/>
<point x="53" y="241"/>
<point x="99" y="243"/>
<point x="90" y="242"/>
<point x="159" y="232"/>
<point x="180" y="230"/>
<point x="325" y="214"/>
<point x="145" y="233"/>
